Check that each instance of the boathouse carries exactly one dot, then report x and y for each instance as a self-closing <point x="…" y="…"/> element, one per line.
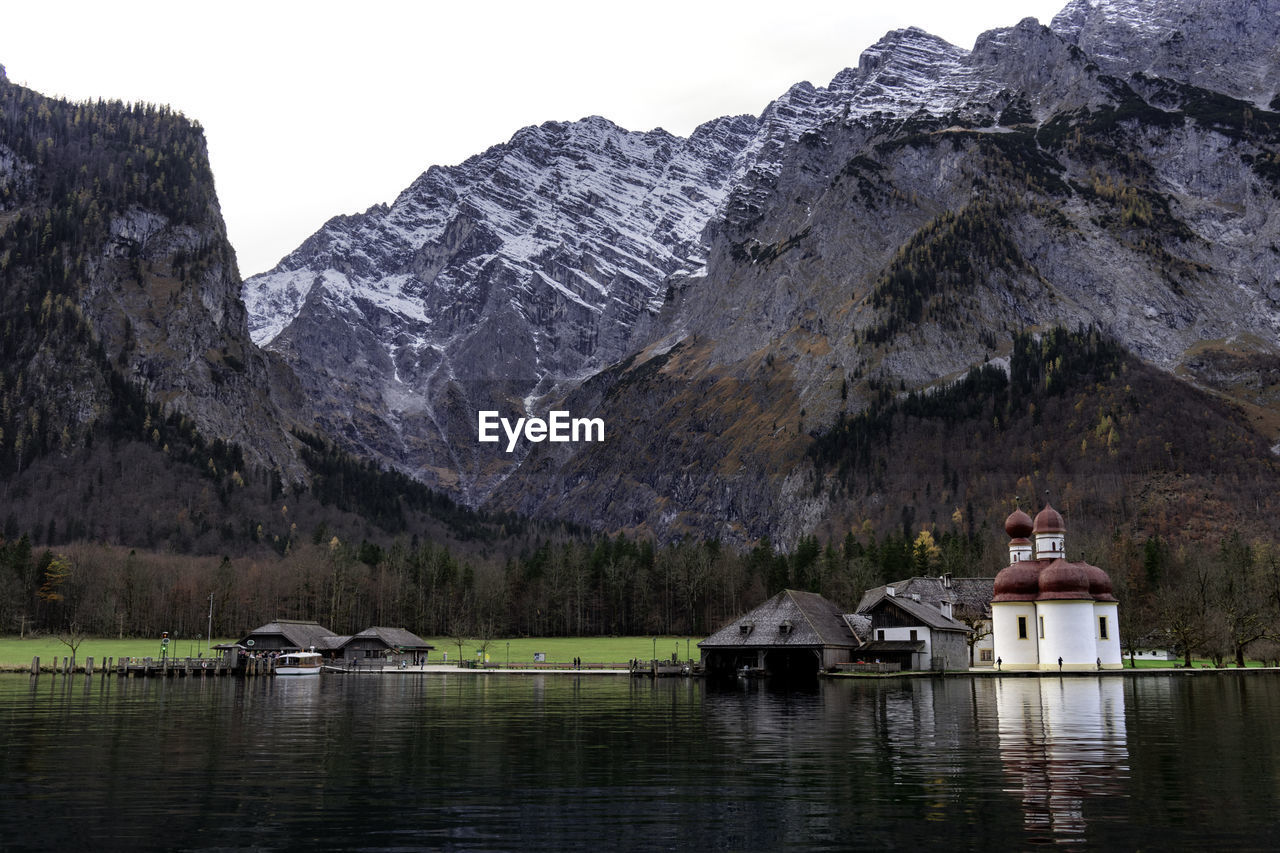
<point x="914" y="635"/>
<point x="792" y="634"/>
<point x="384" y="645"/>
<point x="288" y="635"/>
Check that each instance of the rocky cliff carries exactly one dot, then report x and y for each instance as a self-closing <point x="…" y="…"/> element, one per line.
<point x="881" y="234"/>
<point x="486" y="283"/>
<point x="117" y="270"/>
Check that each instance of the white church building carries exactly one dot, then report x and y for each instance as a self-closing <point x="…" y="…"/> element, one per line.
<point x="1048" y="613"/>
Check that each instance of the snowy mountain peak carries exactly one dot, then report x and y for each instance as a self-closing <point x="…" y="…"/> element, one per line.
<point x="911" y="47"/>
<point x="541" y="260"/>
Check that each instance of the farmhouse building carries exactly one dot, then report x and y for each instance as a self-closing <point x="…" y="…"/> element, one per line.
<point x="914" y="635"/>
<point x="966" y="600"/>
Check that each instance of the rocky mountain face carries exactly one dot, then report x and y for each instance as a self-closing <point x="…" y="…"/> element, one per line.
<point x="720" y="301"/>
<point x="116" y="270"/>
<point x="486" y="283"/>
<point x="1227" y="46"/>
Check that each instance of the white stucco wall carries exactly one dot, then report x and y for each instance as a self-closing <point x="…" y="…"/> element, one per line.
<point x="1070" y="633"/>
<point x="1013" y="652"/>
<point x="1108" y="650"/>
<point x="922" y="633"/>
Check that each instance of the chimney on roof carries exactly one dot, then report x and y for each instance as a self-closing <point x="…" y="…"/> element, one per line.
<point x="890" y="591"/>
<point x="945" y="607"/>
<point x="915" y="596"/>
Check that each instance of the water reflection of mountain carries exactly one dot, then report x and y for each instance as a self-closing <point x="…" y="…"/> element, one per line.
<point x="1062" y="743"/>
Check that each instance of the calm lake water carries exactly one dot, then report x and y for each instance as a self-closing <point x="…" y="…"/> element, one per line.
<point x="543" y="762"/>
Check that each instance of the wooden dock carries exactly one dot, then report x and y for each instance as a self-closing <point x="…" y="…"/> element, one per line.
<point x="130" y="667"/>
<point x="664" y="669"/>
<point x="175" y="667"/>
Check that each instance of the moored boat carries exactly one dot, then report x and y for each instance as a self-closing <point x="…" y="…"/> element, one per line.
<point x="298" y="663"/>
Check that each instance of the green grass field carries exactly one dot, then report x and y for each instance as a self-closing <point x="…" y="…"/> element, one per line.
<point x="565" y="649"/>
<point x="16" y="653"/>
<point x="1197" y="663"/>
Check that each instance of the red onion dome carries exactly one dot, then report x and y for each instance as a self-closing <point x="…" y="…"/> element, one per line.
<point x="1018" y="581"/>
<point x="1064" y="581"/>
<point x="1049" y="520"/>
<point x="1099" y="583"/>
<point x="1018" y="525"/>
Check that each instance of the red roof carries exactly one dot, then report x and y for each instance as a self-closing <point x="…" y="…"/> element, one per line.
<point x="1049" y="520"/>
<point x="1018" y="581"/>
<point x="1018" y="525"/>
<point x="1063" y="581"/>
<point x="1099" y="583"/>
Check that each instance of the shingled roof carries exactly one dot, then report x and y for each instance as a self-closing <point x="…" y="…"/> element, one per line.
<point x="299" y="633"/>
<point x="928" y="615"/>
<point x="791" y="619"/>
<point x="395" y="638"/>
<point x="968" y="595"/>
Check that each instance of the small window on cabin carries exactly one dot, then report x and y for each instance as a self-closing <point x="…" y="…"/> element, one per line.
<point x="1022" y="627"/>
<point x="1102" y="627"/>
<point x="913" y="635"/>
<point x="985" y="655"/>
<point x="1042" y="627"/>
<point x="880" y="635"/>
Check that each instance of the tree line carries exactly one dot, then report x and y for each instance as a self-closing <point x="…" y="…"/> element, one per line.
<point x="574" y="586"/>
<point x="1218" y="600"/>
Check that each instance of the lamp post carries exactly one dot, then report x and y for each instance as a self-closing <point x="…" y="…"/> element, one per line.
<point x="208" y="637"/>
<point x="508" y="654"/>
<point x="655" y="648"/>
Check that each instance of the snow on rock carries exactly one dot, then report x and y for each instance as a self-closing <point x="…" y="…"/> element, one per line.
<point x="534" y="263"/>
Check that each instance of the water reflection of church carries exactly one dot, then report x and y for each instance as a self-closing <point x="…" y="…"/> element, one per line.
<point x="1049" y="613"/>
<point x="1062" y="744"/>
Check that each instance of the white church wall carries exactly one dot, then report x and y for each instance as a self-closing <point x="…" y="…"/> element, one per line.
<point x="1012" y="651"/>
<point x="1069" y="634"/>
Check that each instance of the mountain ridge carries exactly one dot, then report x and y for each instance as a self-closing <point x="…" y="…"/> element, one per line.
<point x="1033" y="181"/>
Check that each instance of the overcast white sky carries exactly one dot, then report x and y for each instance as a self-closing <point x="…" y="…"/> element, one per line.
<point x="313" y="109"/>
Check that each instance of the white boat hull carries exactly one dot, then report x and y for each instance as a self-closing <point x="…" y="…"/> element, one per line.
<point x="299" y="664"/>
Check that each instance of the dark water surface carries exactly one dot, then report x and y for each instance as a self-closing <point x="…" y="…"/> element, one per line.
<point x="561" y="762"/>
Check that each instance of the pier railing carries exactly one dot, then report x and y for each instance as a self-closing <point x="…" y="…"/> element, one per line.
<point x="171" y="666"/>
<point x="868" y="667"/>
